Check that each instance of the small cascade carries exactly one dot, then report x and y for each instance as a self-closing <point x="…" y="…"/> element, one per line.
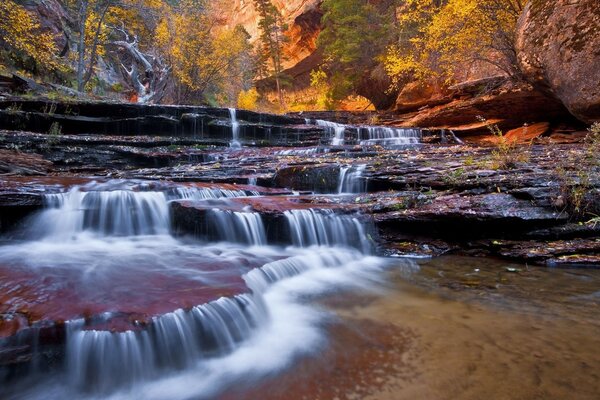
<point x="99" y="361"/>
<point x="302" y="152"/>
<point x="235" y="130"/>
<point x="334" y="128"/>
<point x="106" y="213"/>
<point x="238" y="227"/>
<point x="260" y="279"/>
<point x="387" y="136"/>
<point x="325" y="228"/>
<point x="350" y="180"/>
<point x="102" y="361"/>
<point x="193" y="193"/>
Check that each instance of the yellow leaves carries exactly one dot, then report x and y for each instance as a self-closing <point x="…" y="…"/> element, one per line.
<point x="248" y="99"/>
<point x="22" y="34"/>
<point x="438" y="40"/>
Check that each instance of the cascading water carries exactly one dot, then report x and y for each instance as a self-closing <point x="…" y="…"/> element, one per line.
<point x="235" y="130"/>
<point x="143" y="341"/>
<point x="238" y="227"/>
<point x="192" y="193"/>
<point x="350" y="180"/>
<point x="325" y="228"/>
<point x="386" y="136"/>
<point x="106" y="213"/>
<point x="372" y="135"/>
<point x="101" y="360"/>
<point x="334" y="128"/>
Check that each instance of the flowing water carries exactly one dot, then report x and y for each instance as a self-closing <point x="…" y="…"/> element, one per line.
<point x="386" y="136"/>
<point x="145" y="311"/>
<point x="113" y="305"/>
<point x="235" y="130"/>
<point x="337" y="130"/>
<point x="351" y="180"/>
<point x="372" y="135"/>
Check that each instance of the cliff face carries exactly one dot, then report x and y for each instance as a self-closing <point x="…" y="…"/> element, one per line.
<point x="303" y="18"/>
<point x="558" y="47"/>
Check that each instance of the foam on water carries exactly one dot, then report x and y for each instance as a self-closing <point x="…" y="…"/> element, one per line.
<point x="199" y="351"/>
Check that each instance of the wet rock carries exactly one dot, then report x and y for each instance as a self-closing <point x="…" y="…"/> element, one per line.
<point x="18" y="163"/>
<point x="494" y="214"/>
<point x="126" y="119"/>
<point x="321" y="179"/>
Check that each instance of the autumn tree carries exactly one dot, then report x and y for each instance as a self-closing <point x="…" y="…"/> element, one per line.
<point x="204" y="58"/>
<point x="272" y="40"/>
<point x="438" y="38"/>
<point x="24" y="41"/>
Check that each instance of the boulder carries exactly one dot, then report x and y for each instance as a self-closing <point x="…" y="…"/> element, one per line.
<point x="558" y="48"/>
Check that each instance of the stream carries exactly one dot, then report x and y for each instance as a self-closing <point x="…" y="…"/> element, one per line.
<point x="175" y="289"/>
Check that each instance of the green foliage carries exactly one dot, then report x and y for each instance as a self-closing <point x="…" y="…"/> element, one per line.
<point x="454" y="177"/>
<point x="575" y="176"/>
<point x="354" y="36"/>
<point x="53" y="133"/>
<point x="592" y="143"/>
<point x="272" y="39"/>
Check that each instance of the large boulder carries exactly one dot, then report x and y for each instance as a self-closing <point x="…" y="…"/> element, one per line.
<point x="558" y="46"/>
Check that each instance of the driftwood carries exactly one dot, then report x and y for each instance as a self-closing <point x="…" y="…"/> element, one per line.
<point x="151" y="83"/>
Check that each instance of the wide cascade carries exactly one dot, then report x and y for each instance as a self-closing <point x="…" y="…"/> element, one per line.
<point x="113" y="241"/>
<point x="386" y="136"/>
<point x="367" y="135"/>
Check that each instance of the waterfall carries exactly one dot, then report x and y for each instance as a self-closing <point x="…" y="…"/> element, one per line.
<point x="263" y="324"/>
<point x="106" y="213"/>
<point x="238" y="227"/>
<point x="386" y="136"/>
<point x="194" y="193"/>
<point x="235" y="130"/>
<point x="350" y="180"/>
<point x="372" y="135"/>
<point x="334" y="128"/>
<point x="325" y="228"/>
<point x="101" y="360"/>
<point x="309" y="151"/>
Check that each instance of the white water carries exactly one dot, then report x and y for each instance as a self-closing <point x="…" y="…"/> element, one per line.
<point x="325" y="228"/>
<point x="386" y="136"/>
<point x="201" y="351"/>
<point x="372" y="135"/>
<point x="238" y="227"/>
<point x="334" y="128"/>
<point x="309" y="151"/>
<point x="235" y="130"/>
<point x="350" y="180"/>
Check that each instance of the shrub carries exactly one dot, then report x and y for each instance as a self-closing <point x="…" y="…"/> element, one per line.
<point x="248" y="99"/>
<point x="507" y="154"/>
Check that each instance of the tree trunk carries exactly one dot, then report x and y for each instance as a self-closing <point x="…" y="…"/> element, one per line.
<point x="94" y="52"/>
<point x="83" y="13"/>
